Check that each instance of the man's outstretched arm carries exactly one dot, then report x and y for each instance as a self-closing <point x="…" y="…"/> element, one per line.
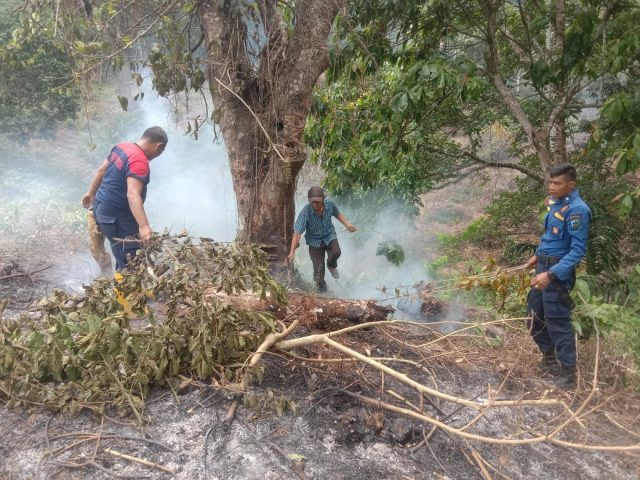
<point x="343" y="220"/>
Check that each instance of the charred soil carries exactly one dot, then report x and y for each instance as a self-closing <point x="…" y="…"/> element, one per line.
<point x="303" y="420"/>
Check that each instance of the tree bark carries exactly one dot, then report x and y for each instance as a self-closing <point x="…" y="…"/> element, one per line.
<point x="316" y="311"/>
<point x="264" y="103"/>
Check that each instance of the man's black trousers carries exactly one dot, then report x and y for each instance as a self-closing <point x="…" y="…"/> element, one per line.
<point x="317" y="255"/>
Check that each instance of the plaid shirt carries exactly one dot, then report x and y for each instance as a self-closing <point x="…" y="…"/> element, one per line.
<point x="319" y="229"/>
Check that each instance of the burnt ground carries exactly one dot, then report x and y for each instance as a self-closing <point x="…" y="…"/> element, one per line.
<point x="337" y="437"/>
<point x="300" y="412"/>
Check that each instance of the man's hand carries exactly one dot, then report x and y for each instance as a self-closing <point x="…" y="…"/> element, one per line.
<point x="351" y="228"/>
<point x="87" y="200"/>
<point x="295" y="243"/>
<point x="146" y="233"/>
<point x="540" y="281"/>
<point x="531" y="262"/>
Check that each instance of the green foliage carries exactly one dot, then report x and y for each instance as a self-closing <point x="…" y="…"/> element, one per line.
<point x="511" y="215"/>
<point x="618" y="317"/>
<point x="620" y="127"/>
<point x="176" y="65"/>
<point x="434" y="267"/>
<point x="36" y="86"/>
<point x="386" y="130"/>
<point x="88" y="352"/>
<point x="410" y="93"/>
<point x="395" y="101"/>
<point x="392" y="251"/>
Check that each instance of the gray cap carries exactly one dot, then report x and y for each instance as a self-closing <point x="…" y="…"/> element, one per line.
<point x="316" y="194"/>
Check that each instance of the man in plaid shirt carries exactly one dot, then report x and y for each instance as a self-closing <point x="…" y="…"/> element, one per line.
<point x="315" y="220"/>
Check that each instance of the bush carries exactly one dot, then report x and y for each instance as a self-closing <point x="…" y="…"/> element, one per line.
<point x="619" y="318"/>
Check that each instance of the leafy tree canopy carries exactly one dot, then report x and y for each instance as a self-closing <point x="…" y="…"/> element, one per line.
<point x="36" y="90"/>
<point x="417" y="91"/>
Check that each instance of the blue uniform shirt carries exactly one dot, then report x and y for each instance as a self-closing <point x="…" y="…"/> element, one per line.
<point x="565" y="233"/>
<point x="125" y="160"/>
<point x="319" y="229"/>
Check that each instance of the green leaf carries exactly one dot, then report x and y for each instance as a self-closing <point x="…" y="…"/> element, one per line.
<point x="625" y="206"/>
<point x="583" y="291"/>
<point x="400" y="102"/>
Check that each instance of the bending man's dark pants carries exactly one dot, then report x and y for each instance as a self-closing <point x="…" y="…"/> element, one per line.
<point x="116" y="223"/>
<point x="317" y="258"/>
<point x="551" y="316"/>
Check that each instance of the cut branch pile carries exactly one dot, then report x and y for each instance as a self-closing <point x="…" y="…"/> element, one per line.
<point x="216" y="303"/>
<point x="91" y="352"/>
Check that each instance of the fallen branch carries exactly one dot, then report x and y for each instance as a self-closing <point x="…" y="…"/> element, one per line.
<point x="325" y="339"/>
<point x="141" y="461"/>
<point x="481" y="464"/>
<point x="481" y="438"/>
<point x="25" y="274"/>
<point x="268" y="342"/>
<point x="319" y="311"/>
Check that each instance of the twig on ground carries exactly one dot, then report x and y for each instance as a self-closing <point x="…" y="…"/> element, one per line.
<point x="141" y="461"/>
<point x="90" y="436"/>
<point x="95" y="450"/>
<point x="46" y="436"/>
<point x="25" y="274"/>
<point x="296" y="465"/>
<point x="95" y="465"/>
<point x="481" y="464"/>
<point x="622" y="427"/>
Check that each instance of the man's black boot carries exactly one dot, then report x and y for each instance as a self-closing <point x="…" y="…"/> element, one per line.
<point x="549" y="364"/>
<point x="566" y="379"/>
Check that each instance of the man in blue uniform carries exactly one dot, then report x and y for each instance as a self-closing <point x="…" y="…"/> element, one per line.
<point x="315" y="219"/>
<point x="562" y="246"/>
<point x="118" y="191"/>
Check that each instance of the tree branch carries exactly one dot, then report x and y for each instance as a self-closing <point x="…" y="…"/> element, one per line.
<point x="511" y="165"/>
<point x="606" y="16"/>
<point x="560" y="108"/>
<point x="309" y="41"/>
<point x="493" y="64"/>
<point x="524" y="55"/>
<point x="460" y="177"/>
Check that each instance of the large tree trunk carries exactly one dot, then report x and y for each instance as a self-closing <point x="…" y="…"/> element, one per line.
<point x="264" y="101"/>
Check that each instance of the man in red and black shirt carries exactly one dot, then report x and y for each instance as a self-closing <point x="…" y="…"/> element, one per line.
<point x="118" y="190"/>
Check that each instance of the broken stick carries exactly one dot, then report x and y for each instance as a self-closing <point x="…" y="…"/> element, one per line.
<point x="141" y="461"/>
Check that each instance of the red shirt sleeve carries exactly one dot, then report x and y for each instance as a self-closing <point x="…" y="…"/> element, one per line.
<point x="138" y="165"/>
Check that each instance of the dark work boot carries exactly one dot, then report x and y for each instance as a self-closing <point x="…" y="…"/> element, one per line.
<point x="566" y="378"/>
<point x="549" y="364"/>
<point x="321" y="286"/>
